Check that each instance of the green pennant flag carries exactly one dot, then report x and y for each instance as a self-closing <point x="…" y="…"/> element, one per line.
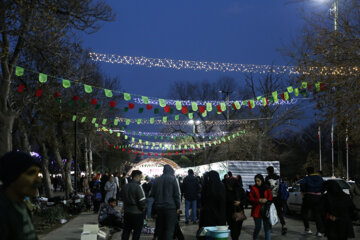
<point x="244" y="103"/>
<point x="190" y="115"/>
<point x="96" y="125"/>
<point x="237" y="105"/>
<point x="264" y="101"/>
<point x="118" y="134"/>
<point x="133" y="139"/>
<point x="204" y="114"/>
<point x="290" y="89"/>
<point x="185" y="147"/>
<point x="194" y="106"/>
<point x="126" y="109"/>
<point x="127" y="96"/>
<point x="42" y="78"/>
<point x="275" y="96"/>
<point x="74" y="118"/>
<point x="223" y="106"/>
<point x="152" y="120"/>
<point x="141" y="110"/>
<point x="108" y="93"/>
<point x="93" y="121"/>
<point x="258" y="98"/>
<point x="208" y="107"/>
<point x="156" y="111"/>
<point x="162" y="102"/>
<point x="252" y="103"/>
<point x="177" y="117"/>
<point x="204" y="145"/>
<point x="178" y="105"/>
<point x="104" y="121"/>
<point x="127" y="122"/>
<point x="229" y="138"/>
<point x="139" y="121"/>
<point x="19" y="71"/>
<point x="83" y="119"/>
<point x="140" y="141"/>
<point x="286" y="95"/>
<point x="145" y="100"/>
<point x="296" y="92"/>
<point x="88" y="88"/>
<point x="164" y="119"/>
<point x="116" y="121"/>
<point x="147" y="143"/>
<point x="317" y="85"/>
<point x="66" y="83"/>
<point x="162" y="137"/>
<point x="126" y="137"/>
<point x="111" y="131"/>
<point x="304" y="85"/>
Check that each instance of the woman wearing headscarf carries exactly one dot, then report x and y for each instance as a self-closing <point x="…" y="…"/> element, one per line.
<point x="110" y="189"/>
<point x="212" y="211"/>
<point x="355" y="196"/>
<point x="338" y="209"/>
<point x="259" y="195"/>
<point x="235" y="200"/>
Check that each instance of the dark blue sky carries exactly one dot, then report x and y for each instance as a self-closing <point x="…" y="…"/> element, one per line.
<point x="236" y="31"/>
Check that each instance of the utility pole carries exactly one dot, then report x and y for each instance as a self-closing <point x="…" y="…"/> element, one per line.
<point x="75" y="155"/>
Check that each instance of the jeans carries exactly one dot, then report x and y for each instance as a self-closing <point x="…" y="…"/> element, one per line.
<point x="279" y="205"/>
<point x="165" y="223"/>
<point x="150" y="202"/>
<point x="132" y="222"/>
<point x="313" y="203"/>
<point x="193" y="207"/>
<point x="267" y="228"/>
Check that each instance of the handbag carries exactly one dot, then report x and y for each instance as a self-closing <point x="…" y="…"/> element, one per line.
<point x="239" y="216"/>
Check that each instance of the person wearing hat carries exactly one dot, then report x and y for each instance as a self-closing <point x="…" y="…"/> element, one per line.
<point x="19" y="177"/>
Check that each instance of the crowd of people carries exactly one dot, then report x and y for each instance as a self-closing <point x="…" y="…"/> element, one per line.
<point x="209" y="201"/>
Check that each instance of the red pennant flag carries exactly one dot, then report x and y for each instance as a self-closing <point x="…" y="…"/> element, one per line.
<point x="135" y="152"/>
<point x="94" y="101"/>
<point x="21" y="88"/>
<point x="75" y="98"/>
<point x="111" y="145"/>
<point x="183" y="151"/>
<point x="169" y="153"/>
<point x="218" y="108"/>
<point x="283" y="96"/>
<point x="309" y="87"/>
<point x="234" y="106"/>
<point x="156" y="154"/>
<point x="112" y="104"/>
<point x="201" y="109"/>
<point x="167" y="109"/>
<point x="123" y="150"/>
<point x="322" y="86"/>
<point x="56" y="95"/>
<point x="117" y="147"/>
<point x="129" y="151"/>
<point x="148" y="106"/>
<point x="149" y="154"/>
<point x="190" y="149"/>
<point x="249" y="103"/>
<point x="184" y="109"/>
<point x="177" y="153"/>
<point x="131" y="105"/>
<point x="142" y="154"/>
<point x="38" y="93"/>
<point x="163" y="154"/>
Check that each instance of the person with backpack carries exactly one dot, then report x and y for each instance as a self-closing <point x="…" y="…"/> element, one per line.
<point x="272" y="180"/>
<point x="97" y="197"/>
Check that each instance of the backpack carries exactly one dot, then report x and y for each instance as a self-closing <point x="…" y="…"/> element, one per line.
<point x="274" y="186"/>
<point x="283" y="192"/>
<point x="98" y="196"/>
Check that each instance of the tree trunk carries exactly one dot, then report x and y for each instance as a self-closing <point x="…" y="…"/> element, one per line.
<point x="24" y="138"/>
<point x="90" y="158"/>
<point x="6" y="126"/>
<point x="68" y="184"/>
<point x="86" y="156"/>
<point x="45" y="171"/>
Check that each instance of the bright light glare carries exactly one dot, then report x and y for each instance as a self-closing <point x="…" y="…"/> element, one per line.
<point x="198" y="122"/>
<point x="191" y="121"/>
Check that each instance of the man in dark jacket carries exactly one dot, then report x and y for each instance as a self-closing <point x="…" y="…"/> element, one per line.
<point x="312" y="188"/>
<point x="166" y="192"/>
<point x="19" y="174"/>
<point x="272" y="180"/>
<point x="134" y="205"/>
<point x="190" y="189"/>
<point x="108" y="216"/>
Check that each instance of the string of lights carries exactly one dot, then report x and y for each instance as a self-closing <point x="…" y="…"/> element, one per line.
<point x="222" y="67"/>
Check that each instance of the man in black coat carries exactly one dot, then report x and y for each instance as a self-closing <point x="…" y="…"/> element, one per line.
<point x="190" y="189"/>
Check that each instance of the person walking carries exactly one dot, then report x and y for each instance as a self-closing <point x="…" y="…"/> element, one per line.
<point x="259" y="195"/>
<point x="134" y="200"/>
<point x="149" y="200"/>
<point x="235" y="199"/>
<point x="272" y="180"/>
<point x="166" y="193"/>
<point x="213" y="201"/>
<point x="103" y="180"/>
<point x="355" y="196"/>
<point x="190" y="188"/>
<point x="110" y="189"/>
<point x="339" y="210"/>
<point x="312" y="188"/>
<point x="19" y="174"/>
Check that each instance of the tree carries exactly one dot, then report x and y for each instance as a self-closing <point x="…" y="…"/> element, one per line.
<point x="36" y="25"/>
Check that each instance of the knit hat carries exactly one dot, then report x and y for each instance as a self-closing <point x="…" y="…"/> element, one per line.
<point x="13" y="164"/>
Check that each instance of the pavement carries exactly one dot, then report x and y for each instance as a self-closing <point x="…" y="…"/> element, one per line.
<point x="73" y="229"/>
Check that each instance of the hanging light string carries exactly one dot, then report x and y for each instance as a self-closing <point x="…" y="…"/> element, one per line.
<point x="222" y="67"/>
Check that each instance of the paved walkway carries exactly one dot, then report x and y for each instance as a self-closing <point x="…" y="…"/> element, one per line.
<point x="73" y="229"/>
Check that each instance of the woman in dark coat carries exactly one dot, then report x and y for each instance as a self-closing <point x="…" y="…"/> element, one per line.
<point x="235" y="200"/>
<point x="338" y="209"/>
<point x="212" y="211"/>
